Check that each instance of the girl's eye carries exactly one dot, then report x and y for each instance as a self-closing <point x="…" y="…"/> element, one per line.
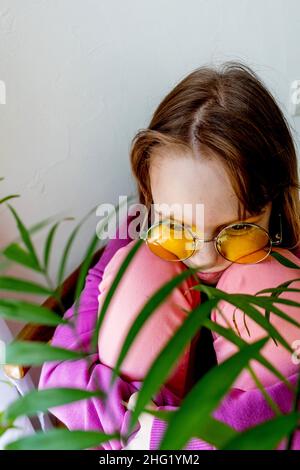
<point x="239" y="227"/>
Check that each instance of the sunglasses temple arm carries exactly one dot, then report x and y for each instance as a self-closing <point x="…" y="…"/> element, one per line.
<point x="278" y="236"/>
<point x="143" y="231"/>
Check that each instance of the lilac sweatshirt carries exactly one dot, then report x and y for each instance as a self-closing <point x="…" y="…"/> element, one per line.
<point x="239" y="409"/>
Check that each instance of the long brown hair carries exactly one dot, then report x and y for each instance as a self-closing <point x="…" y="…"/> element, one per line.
<point x="230" y="112"/>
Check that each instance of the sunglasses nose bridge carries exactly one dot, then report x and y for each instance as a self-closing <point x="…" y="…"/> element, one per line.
<point x="204" y="247"/>
<point x="200" y="241"/>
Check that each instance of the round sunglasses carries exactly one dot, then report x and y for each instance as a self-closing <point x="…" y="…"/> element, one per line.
<point x="240" y="242"/>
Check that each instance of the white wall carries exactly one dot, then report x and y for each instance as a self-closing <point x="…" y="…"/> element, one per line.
<point x="82" y="76"/>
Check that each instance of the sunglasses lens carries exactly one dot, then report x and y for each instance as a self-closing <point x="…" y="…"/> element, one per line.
<point x="244" y="243"/>
<point x="170" y="241"/>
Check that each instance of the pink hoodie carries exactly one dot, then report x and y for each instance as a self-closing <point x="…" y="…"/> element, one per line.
<point x="240" y="409"/>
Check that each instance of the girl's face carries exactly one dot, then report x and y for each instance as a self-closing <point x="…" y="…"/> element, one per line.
<point x="180" y="179"/>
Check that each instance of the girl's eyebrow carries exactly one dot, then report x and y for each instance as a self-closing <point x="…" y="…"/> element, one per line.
<point x="219" y="227"/>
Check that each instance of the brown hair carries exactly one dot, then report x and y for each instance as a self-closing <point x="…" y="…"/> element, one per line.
<point x="229" y="112"/>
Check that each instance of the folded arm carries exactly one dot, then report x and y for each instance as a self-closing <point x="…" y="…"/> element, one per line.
<point x="89" y="373"/>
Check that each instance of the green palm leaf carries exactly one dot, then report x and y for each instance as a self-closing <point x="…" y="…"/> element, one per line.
<point x="275" y="292"/>
<point x="19" y="310"/>
<point x="88" y="258"/>
<point x="264" y="436"/>
<point x="203" y="399"/>
<point x="7" y="198"/>
<point x="112" y="289"/>
<point x="283" y="260"/>
<point x="17" y="254"/>
<point x="30" y="353"/>
<point x="61" y="439"/>
<point x="161" y="367"/>
<point x="149" y="307"/>
<point x="50" y="239"/>
<point x="38" y="401"/>
<point x="68" y="246"/>
<point x="235" y="339"/>
<point x="240" y="301"/>
<point x="26" y="238"/>
<point x="216" y="432"/>
<point x="22" y="285"/>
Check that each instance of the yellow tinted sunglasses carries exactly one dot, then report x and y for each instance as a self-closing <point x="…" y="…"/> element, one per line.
<point x="240" y="242"/>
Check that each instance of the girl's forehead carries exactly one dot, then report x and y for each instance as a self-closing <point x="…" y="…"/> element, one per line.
<point x="195" y="176"/>
<point x="184" y="183"/>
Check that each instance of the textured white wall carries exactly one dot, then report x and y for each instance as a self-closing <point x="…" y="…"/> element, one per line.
<point x="82" y="76"/>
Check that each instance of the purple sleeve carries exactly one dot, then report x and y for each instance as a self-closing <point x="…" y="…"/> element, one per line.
<point x="158" y="429"/>
<point x="89" y="374"/>
<point x="241" y="410"/>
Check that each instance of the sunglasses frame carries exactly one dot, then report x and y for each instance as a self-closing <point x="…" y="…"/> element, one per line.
<point x="196" y="239"/>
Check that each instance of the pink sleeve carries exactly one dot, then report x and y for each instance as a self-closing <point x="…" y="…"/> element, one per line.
<point x="250" y="279"/>
<point x="241" y="410"/>
<point x="89" y="374"/>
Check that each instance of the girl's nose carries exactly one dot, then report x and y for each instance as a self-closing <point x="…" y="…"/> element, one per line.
<point x="206" y="255"/>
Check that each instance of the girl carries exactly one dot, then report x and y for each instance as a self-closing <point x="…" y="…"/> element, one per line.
<point x="218" y="139"/>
